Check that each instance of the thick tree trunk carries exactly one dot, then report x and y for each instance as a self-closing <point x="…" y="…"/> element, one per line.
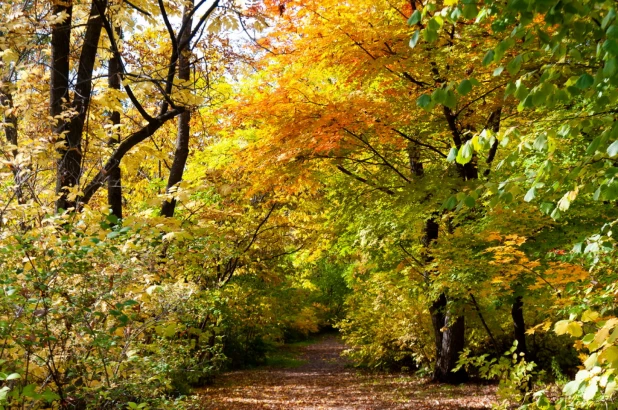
<point x="114" y="181"/>
<point x="181" y="152"/>
<point x="449" y="330"/>
<point x="69" y="163"/>
<point x="437" y="310"/>
<point x="517" y="313"/>
<point x="453" y="337"/>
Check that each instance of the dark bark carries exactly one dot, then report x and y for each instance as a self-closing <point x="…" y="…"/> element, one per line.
<point x="414" y="157"/>
<point x="114" y="182"/>
<point x="452" y="344"/>
<point x="10" y="132"/>
<point x="59" y="89"/>
<point x="364" y="181"/>
<point x="69" y="163"/>
<point x="125" y="146"/>
<point x="494" y="124"/>
<point x="430" y="234"/>
<point x="436" y="310"/>
<point x="517" y="313"/>
<point x="449" y="330"/>
<point x="181" y="152"/>
<point x="469" y="170"/>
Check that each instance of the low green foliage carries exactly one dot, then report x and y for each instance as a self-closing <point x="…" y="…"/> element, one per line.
<point x="514" y="373"/>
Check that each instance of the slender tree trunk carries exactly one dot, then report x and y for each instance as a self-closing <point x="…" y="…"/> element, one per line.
<point x="59" y="93"/>
<point x="517" y="313"/>
<point x="437" y="310"/>
<point x="10" y="132"/>
<point x="114" y="181"/>
<point x="181" y="152"/>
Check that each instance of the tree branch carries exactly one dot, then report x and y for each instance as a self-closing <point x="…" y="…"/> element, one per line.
<point x="364" y="181"/>
<point x="122" y="149"/>
<point x="432" y="148"/>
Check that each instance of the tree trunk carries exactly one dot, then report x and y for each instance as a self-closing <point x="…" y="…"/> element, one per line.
<point x="517" y="313"/>
<point x="10" y="132"/>
<point x="449" y="331"/>
<point x="453" y="338"/>
<point x="69" y="163"/>
<point x="181" y="152"/>
<point x="114" y="181"/>
<point x="437" y="310"/>
<point x="59" y="92"/>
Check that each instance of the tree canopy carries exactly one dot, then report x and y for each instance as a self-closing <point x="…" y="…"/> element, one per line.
<point x="185" y="184"/>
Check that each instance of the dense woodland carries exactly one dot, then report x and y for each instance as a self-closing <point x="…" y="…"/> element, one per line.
<point x="186" y="184"/>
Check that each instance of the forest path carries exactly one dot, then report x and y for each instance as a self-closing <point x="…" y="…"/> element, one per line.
<point x="324" y="381"/>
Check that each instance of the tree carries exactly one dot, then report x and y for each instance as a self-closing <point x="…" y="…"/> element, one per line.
<point x="357" y="107"/>
<point x="77" y="97"/>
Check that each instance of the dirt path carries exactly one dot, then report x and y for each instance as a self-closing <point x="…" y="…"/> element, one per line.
<point x="325" y="382"/>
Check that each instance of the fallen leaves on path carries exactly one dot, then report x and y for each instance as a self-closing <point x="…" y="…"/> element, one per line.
<point x="325" y="382"/>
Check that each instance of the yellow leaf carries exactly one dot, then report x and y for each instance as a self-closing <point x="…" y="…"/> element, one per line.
<point x="610" y="354"/>
<point x="561" y="327"/>
<point x="574" y="329"/>
<point x="589" y="316"/>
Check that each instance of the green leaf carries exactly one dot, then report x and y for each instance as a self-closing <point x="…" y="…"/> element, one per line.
<point x="470" y="11"/>
<point x="3" y="392"/>
<point x="610" y="67"/>
<point x="540" y="143"/>
<point x="13" y="376"/>
<point x="584" y="81"/>
<point x="415" y="18"/>
<point x="450" y="203"/>
<point x="514" y="65"/>
<point x="510" y="89"/>
<point x="469" y="201"/>
<point x="452" y="155"/>
<point x="610" y="192"/>
<point x="414" y="38"/>
<point x="608" y="18"/>
<point x="430" y="35"/>
<point x="489" y="57"/>
<point x="464" y="87"/>
<point x="465" y="153"/>
<point x="610" y="46"/>
<point x="572" y="387"/>
<point x="439" y="96"/>
<point x="612" y="150"/>
<point x="588" y="338"/>
<point x="451" y="99"/>
<point x="424" y="101"/>
<point x="594" y="145"/>
<point x="547" y="207"/>
<point x="434" y="24"/>
<point x="530" y="194"/>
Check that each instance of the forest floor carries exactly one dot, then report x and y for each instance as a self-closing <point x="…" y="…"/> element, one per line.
<point x="314" y="376"/>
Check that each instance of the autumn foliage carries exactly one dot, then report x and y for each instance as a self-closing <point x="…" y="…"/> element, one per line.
<point x="185" y="185"/>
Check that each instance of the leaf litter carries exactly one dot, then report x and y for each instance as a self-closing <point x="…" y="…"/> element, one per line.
<point x="326" y="381"/>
